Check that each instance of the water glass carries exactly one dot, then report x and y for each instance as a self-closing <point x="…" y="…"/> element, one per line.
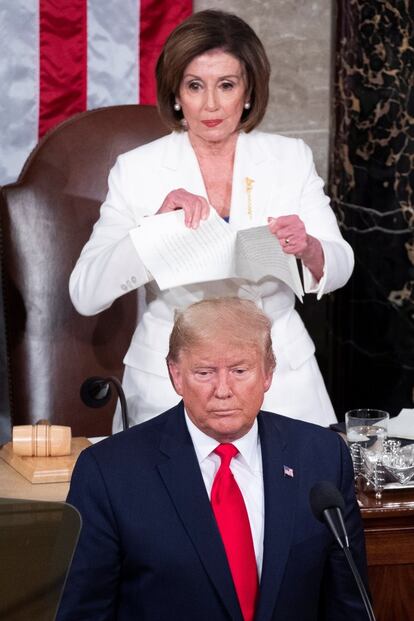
<point x="366" y="432"/>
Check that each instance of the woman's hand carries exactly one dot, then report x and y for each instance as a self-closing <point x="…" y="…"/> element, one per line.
<point x="293" y="238"/>
<point x="195" y="207"/>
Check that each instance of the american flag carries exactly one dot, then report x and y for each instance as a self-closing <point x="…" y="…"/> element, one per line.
<point x="288" y="471"/>
<point x="61" y="57"/>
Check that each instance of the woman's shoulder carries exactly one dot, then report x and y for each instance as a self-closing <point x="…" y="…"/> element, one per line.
<point x="277" y="142"/>
<point x="285" y="151"/>
<point x="150" y="150"/>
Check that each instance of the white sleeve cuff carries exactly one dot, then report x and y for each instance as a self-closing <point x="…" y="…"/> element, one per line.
<point x="311" y="285"/>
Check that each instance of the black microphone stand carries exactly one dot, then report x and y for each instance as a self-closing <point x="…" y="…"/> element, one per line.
<point x="344" y="545"/>
<point x="360" y="584"/>
<point x="327" y="504"/>
<point x="124" y="410"/>
<point x="95" y="392"/>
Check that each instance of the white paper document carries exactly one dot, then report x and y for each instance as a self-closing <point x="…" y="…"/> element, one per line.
<point x="402" y="426"/>
<point x="176" y="255"/>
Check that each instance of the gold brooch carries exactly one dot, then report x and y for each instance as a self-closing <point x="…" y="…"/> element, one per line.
<point x="249" y="187"/>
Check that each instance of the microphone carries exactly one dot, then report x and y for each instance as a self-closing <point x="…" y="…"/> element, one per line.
<point x="327" y="504"/>
<point x="95" y="392"/>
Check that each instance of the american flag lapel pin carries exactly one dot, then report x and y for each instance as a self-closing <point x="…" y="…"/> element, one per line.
<point x="288" y="472"/>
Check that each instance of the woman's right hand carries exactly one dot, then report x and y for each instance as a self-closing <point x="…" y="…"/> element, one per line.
<point x="195" y="207"/>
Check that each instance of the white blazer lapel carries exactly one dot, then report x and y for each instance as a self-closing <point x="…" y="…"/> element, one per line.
<point x="254" y="181"/>
<point x="181" y="166"/>
<point x="255" y="176"/>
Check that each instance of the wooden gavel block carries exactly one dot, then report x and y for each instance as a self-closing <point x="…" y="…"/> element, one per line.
<point x="42" y="440"/>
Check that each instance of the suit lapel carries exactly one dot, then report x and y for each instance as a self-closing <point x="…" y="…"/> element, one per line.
<point x="280" y="491"/>
<point x="183" y="479"/>
<point x="254" y="181"/>
<point x="253" y="161"/>
<point x="181" y="166"/>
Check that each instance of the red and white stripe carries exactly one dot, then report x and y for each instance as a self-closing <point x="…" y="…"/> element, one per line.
<point x="61" y="57"/>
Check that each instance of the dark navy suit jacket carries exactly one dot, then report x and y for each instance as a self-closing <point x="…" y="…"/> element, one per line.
<point x="150" y="550"/>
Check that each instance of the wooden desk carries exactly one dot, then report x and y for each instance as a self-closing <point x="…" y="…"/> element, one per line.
<point x="389" y="533"/>
<point x="389" y="536"/>
<point x="14" y="485"/>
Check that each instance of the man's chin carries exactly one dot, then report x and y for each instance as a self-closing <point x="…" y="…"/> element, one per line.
<point x="228" y="427"/>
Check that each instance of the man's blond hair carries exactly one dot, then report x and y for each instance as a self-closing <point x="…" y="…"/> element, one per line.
<point x="231" y="319"/>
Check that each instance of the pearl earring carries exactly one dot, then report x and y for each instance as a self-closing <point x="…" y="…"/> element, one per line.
<point x="247" y="105"/>
<point x="177" y="106"/>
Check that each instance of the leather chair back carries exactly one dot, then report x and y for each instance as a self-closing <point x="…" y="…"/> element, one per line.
<point x="46" y="218"/>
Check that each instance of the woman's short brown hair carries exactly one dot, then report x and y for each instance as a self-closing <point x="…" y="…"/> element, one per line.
<point x="200" y="33"/>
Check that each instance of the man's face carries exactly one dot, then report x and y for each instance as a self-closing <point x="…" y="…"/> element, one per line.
<point x="223" y="386"/>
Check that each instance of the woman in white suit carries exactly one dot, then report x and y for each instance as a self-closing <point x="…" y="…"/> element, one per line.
<point x="212" y="80"/>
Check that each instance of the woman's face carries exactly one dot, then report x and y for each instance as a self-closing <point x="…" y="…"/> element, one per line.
<point x="212" y="95"/>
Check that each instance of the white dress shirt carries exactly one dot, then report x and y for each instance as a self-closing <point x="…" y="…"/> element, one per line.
<point x="247" y="469"/>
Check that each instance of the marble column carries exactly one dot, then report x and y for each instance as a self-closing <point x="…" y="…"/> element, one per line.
<point x="372" y="187"/>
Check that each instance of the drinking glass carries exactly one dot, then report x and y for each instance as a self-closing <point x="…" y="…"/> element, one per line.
<point x="366" y="432"/>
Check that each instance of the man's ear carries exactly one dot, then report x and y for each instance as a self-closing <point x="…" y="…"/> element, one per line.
<point x="268" y="379"/>
<point x="175" y="376"/>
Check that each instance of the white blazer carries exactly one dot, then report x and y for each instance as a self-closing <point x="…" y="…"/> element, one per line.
<point x="284" y="182"/>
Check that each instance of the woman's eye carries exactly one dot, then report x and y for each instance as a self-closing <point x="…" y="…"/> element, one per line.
<point x="227" y="86"/>
<point x="194" y="86"/>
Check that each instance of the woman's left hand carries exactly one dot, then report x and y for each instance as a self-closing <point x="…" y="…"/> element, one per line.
<point x="293" y="238"/>
<point x="291" y="234"/>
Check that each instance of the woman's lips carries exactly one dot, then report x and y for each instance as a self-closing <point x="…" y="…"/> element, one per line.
<point x="212" y="123"/>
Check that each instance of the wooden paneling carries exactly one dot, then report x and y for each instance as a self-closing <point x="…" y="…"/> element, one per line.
<point x="389" y="535"/>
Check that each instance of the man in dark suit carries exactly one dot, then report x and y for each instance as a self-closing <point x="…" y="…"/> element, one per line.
<point x="202" y="514"/>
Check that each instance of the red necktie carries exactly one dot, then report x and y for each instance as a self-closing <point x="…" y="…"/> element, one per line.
<point x="233" y="523"/>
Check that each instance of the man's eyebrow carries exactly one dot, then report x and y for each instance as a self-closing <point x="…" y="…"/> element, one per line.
<point x="209" y="365"/>
<point x="242" y="363"/>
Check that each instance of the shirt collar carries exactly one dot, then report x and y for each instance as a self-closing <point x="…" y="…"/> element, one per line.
<point x="247" y="445"/>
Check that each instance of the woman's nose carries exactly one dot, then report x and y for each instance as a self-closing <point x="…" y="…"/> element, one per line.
<point x="211" y="101"/>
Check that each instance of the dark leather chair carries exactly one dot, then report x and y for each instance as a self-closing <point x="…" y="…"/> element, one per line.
<point x="46" y="218"/>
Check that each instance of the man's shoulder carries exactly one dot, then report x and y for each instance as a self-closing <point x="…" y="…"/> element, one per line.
<point x="311" y="449"/>
<point x="138" y="441"/>
<point x="299" y="430"/>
